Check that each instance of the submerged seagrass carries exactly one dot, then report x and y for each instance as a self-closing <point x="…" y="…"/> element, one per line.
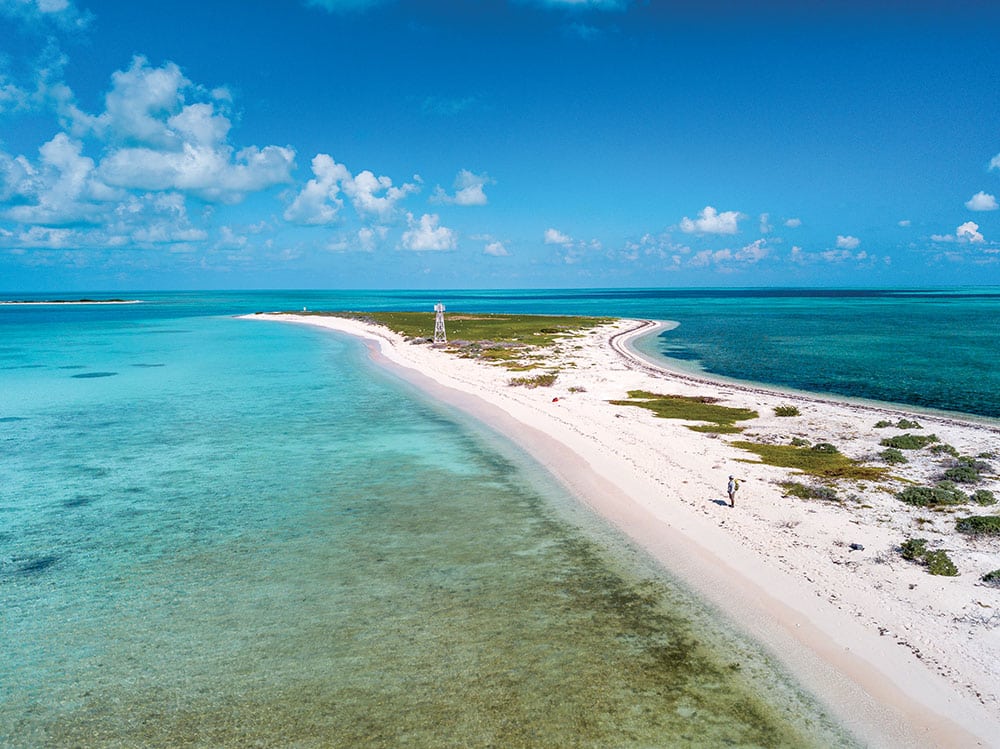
<point x="257" y="538"/>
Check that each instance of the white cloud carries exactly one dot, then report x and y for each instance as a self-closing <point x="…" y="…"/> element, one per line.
<point x="318" y="203"/>
<point x="710" y="221"/>
<point x="848" y="242"/>
<point x="376" y="196"/>
<point x="468" y="189"/>
<point x="905" y="222"/>
<point x="496" y="249"/>
<point x="554" y="236"/>
<point x="970" y="231"/>
<point x="995" y="162"/>
<point x="793" y="223"/>
<point x="982" y="201"/>
<point x="370" y="237"/>
<point x="765" y="223"/>
<point x="425" y="234"/>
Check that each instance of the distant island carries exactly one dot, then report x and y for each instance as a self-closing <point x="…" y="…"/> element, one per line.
<point x="71" y="301"/>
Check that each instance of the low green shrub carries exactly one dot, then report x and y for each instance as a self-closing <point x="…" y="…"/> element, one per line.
<point x="979" y="525"/>
<point x="802" y="491"/>
<point x="541" y="380"/>
<point x="944" y="447"/>
<point x="992" y="578"/>
<point x="913" y="549"/>
<point x="893" y="456"/>
<point x="963" y="474"/>
<point x="800" y="442"/>
<point x="824" y="448"/>
<point x="909" y="441"/>
<point x="983" y="497"/>
<point x="932" y="496"/>
<point x="937" y="562"/>
<point x="901" y="424"/>
<point x="986" y="455"/>
<point x="786" y="411"/>
<point x="822" y="460"/>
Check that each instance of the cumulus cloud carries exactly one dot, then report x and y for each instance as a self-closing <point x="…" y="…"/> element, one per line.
<point x="982" y="201"/>
<point x="848" y="242"/>
<point x="468" y="190"/>
<point x="370" y="237"/>
<point x="969" y="231"/>
<point x="905" y="222"/>
<point x="995" y="162"/>
<point x="496" y="249"/>
<point x="765" y="223"/>
<point x="319" y="202"/>
<point x="554" y="236"/>
<point x="425" y="234"/>
<point x="727" y="258"/>
<point x="61" y="12"/>
<point x="710" y="221"/>
<point x="793" y="223"/>
<point x="122" y="176"/>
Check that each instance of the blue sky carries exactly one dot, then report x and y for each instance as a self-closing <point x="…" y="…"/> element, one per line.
<point x="497" y="143"/>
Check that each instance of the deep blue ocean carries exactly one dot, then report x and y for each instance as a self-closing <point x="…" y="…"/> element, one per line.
<point x="222" y="532"/>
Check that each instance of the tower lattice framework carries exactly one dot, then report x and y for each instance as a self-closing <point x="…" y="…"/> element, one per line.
<point x="439" y="334"/>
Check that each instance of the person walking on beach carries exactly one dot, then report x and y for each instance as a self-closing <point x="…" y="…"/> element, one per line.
<point x="734" y="486"/>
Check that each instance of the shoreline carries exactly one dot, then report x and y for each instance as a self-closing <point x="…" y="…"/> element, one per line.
<point x="777" y="567"/>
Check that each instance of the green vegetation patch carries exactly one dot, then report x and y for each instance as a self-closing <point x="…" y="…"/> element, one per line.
<point x="822" y="460"/>
<point x="909" y="441"/>
<point x="901" y="424"/>
<point x="804" y="491"/>
<point x="937" y="562"/>
<point x="541" y="380"/>
<point x="983" y="497"/>
<point x="719" y="419"/>
<point x="944" y="448"/>
<point x="945" y="493"/>
<point x="786" y="411"/>
<point x="992" y="578"/>
<point x="893" y="456"/>
<point x="527" y="330"/>
<point x="979" y="525"/>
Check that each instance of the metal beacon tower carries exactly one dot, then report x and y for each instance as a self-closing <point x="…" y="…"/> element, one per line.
<point x="439" y="335"/>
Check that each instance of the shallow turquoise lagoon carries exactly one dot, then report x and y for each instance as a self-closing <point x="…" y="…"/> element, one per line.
<point x="217" y="532"/>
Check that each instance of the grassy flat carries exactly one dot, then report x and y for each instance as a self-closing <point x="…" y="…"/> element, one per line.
<point x="510" y="341"/>
<point x="808" y="460"/>
<point x="716" y="419"/>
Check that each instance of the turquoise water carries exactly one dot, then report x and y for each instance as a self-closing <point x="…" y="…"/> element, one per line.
<point x="218" y="532"/>
<point x="225" y="532"/>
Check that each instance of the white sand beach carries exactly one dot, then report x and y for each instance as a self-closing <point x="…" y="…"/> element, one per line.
<point x="901" y="657"/>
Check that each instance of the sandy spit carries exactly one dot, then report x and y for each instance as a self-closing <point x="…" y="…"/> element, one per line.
<point x="900" y="657"/>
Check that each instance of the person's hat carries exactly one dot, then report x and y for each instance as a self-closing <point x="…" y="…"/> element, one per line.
<point x="732" y="477"/>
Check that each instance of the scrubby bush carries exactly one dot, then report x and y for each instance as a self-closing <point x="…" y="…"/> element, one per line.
<point x="909" y="441"/>
<point x="882" y="424"/>
<point x="983" y="497"/>
<point x="979" y="525"/>
<point x="962" y="474"/>
<point x="893" y="456"/>
<point x="986" y="455"/>
<point x="937" y="562"/>
<point x="786" y="411"/>
<point x="913" y="549"/>
<point x="992" y="578"/>
<point x="907" y="424"/>
<point x="803" y="491"/>
<point x="932" y="496"/>
<point x="542" y="380"/>
<point x="825" y="448"/>
<point x="944" y="447"/>
<point x="800" y="442"/>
